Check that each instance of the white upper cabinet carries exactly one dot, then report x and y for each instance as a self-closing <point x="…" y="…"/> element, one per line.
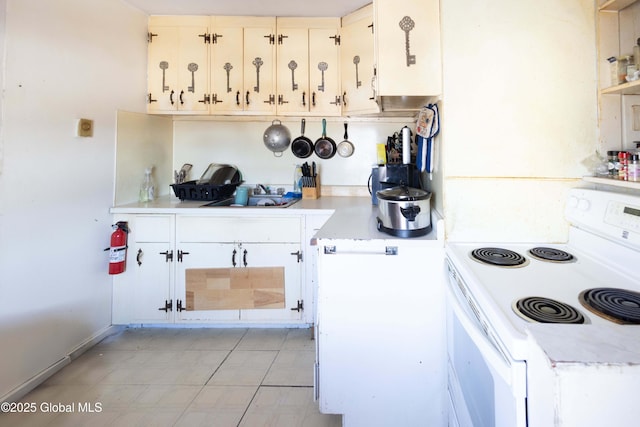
<point x="407" y="47"/>
<point x="178" y="63"/>
<point x="308" y="66"/>
<point x="357" y="63"/>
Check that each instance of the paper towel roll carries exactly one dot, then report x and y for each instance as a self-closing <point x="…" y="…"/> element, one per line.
<point x="406" y="145"/>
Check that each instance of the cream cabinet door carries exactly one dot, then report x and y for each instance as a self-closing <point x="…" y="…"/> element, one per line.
<point x="408" y="53"/>
<point x="226" y="67"/>
<point x="162" y="69"/>
<point x="324" y="71"/>
<point x="283" y="255"/>
<point x="203" y="255"/>
<point x="357" y="64"/>
<point x="293" y="71"/>
<point x="260" y="70"/>
<point x="178" y="64"/>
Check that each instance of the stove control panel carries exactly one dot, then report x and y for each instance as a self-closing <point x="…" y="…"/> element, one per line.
<point x="623" y="215"/>
<point x="614" y="215"/>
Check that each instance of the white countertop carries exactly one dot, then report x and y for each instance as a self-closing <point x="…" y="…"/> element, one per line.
<point x="352" y="218"/>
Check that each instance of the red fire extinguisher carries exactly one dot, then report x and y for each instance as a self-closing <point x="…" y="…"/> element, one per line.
<point x="118" y="248"/>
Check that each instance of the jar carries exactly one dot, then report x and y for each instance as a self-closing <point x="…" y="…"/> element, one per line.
<point x="634" y="167"/>
<point x="623" y="62"/>
<point x="623" y="158"/>
<point x="612" y="163"/>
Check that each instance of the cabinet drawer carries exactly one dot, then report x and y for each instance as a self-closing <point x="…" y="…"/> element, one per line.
<point x="250" y="229"/>
<point x="153" y="228"/>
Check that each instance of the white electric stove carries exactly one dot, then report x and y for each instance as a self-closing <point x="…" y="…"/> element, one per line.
<point x="549" y="334"/>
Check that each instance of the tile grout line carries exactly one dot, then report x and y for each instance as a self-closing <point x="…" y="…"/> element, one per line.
<point x="261" y="384"/>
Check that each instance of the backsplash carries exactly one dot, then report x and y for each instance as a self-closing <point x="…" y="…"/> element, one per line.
<point x="240" y="143"/>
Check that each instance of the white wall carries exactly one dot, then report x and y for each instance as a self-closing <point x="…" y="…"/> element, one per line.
<point x="519" y="115"/>
<point x="65" y="59"/>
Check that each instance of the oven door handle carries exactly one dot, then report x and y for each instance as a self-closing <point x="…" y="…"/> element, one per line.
<point x="493" y="357"/>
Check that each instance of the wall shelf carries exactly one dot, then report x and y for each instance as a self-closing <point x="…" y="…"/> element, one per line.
<point x="629" y="88"/>
<point x="634" y="185"/>
<point x="615" y="5"/>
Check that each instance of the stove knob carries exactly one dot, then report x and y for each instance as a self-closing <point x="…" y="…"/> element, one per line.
<point x="584" y="205"/>
<point x="572" y="202"/>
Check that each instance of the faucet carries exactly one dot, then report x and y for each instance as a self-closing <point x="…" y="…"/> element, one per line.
<point x="260" y="188"/>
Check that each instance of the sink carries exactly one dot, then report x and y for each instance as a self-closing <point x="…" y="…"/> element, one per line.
<point x="270" y="201"/>
<point x="256" y="201"/>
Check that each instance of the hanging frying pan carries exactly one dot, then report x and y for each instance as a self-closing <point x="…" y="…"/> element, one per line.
<point x="302" y="147"/>
<point x="325" y="147"/>
<point x="345" y="148"/>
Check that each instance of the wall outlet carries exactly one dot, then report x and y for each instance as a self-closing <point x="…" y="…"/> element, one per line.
<point x="84" y="128"/>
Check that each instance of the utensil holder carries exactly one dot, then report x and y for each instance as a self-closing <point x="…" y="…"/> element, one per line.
<point x="312" y="192"/>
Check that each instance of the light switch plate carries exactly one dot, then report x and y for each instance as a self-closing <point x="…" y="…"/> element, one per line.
<point x="85" y="128"/>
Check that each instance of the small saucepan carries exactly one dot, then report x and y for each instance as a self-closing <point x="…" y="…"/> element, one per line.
<point x="302" y="147"/>
<point x="345" y="148"/>
<point x="325" y="147"/>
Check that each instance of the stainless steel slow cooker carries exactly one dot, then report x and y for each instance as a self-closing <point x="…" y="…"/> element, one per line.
<point x="404" y="211"/>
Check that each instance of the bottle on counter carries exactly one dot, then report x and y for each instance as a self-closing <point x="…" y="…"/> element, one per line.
<point x="623" y="158"/>
<point x="612" y="163"/>
<point x="633" y="173"/>
<point x="636" y="54"/>
<point x="147" y="188"/>
<point x="297" y="178"/>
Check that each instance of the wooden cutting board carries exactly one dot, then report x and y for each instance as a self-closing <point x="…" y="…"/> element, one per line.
<point x="234" y="288"/>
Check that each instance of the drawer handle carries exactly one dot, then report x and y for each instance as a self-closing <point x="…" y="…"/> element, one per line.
<point x="139" y="257"/>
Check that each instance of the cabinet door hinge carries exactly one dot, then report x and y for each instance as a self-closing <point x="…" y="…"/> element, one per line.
<point x="271" y="37"/>
<point x="179" y="306"/>
<point x="181" y="254"/>
<point x="150" y="37"/>
<point x="214" y="38"/>
<point x="298" y="254"/>
<point x="206" y="38"/>
<point x="299" y="307"/>
<point x="168" y="306"/>
<point x="370" y="26"/>
<point x="168" y="255"/>
<point x="336" y="39"/>
<point x="281" y="38"/>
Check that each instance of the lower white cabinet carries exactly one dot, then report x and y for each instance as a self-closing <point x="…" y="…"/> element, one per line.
<point x="381" y="355"/>
<point x="240" y="269"/>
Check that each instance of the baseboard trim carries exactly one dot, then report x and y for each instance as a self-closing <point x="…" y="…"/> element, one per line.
<point x="22" y="390"/>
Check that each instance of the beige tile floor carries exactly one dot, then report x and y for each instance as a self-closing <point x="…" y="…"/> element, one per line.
<point x="184" y="377"/>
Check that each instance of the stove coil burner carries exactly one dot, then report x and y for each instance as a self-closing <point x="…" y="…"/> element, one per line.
<point x="551" y="254"/>
<point x="498" y="256"/>
<point x="618" y="305"/>
<point x="545" y="310"/>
